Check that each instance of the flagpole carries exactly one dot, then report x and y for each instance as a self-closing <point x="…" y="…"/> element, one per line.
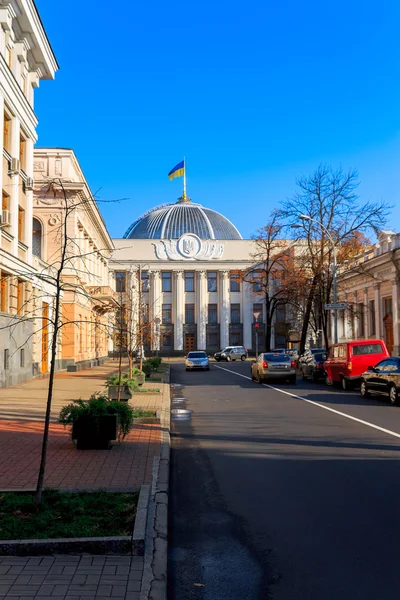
<point x="184" y="177"/>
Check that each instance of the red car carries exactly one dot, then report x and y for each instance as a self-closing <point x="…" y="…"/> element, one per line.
<point x="348" y="361"/>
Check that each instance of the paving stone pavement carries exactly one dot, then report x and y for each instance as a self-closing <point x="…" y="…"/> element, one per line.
<point x="71" y="577"/>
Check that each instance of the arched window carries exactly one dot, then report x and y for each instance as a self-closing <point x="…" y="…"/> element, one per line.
<point x="37" y="238"/>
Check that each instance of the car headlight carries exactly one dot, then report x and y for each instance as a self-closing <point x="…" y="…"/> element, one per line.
<point x="205" y="362"/>
<point x="189" y="363"/>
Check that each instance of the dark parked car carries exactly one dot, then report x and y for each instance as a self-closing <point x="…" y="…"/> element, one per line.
<point x="383" y="379"/>
<point x="312" y="366"/>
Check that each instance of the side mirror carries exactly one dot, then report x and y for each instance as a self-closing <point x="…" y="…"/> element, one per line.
<point x="372" y="368"/>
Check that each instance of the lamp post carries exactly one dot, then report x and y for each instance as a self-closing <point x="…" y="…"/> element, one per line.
<point x="335" y="314"/>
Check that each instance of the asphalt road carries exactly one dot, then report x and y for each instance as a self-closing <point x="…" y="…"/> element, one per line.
<point x="274" y="497"/>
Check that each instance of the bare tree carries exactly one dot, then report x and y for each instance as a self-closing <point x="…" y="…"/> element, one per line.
<point x="329" y="197"/>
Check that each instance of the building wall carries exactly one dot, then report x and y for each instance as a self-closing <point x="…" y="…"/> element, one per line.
<point x="88" y="298"/>
<point x="370" y="286"/>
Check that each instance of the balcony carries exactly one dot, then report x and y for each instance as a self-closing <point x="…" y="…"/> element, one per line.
<point x="104" y="297"/>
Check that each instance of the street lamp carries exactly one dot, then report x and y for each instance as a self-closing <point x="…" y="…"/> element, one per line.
<point x="335" y="314"/>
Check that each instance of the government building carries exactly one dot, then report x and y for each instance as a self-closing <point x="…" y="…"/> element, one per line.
<point x="189" y="258"/>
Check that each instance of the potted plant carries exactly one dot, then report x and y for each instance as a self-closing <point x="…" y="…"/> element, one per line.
<point x="139" y="376"/>
<point x="97" y="421"/>
<point x="124" y="386"/>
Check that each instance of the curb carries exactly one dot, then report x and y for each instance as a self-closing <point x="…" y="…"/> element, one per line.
<point x="127" y="544"/>
<point x="154" y="582"/>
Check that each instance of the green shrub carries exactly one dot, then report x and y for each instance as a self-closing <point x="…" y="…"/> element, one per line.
<point x="132" y="384"/>
<point x="152" y="363"/>
<point x="97" y="406"/>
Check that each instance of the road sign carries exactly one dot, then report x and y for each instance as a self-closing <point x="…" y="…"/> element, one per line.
<point x="256" y="315"/>
<point x="337" y="306"/>
<point x="157" y="321"/>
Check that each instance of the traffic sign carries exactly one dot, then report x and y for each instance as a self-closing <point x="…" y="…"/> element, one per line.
<point x="256" y="315"/>
<point x="337" y="306"/>
<point x="157" y="321"/>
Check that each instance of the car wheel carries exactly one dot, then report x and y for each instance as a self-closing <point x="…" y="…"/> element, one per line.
<point x="345" y="384"/>
<point x="393" y="395"/>
<point x="217" y="359"/>
<point x="259" y="379"/>
<point x="303" y="375"/>
<point x="228" y="359"/>
<point x="364" y="390"/>
<point x="328" y="380"/>
<point x="243" y="357"/>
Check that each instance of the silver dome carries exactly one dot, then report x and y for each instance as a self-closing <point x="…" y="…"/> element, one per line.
<point x="170" y="221"/>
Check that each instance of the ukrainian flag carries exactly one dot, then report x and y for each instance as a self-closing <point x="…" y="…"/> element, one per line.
<point x="177" y="171"/>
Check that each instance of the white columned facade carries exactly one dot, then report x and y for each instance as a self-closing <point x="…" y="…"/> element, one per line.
<point x="378" y="323"/>
<point x="14" y="188"/>
<point x="179" y="310"/>
<point x="202" y="310"/>
<point x="225" y="309"/>
<point x="247" y="314"/>
<point x="366" y="315"/>
<point x="395" y="309"/>
<point x="29" y="200"/>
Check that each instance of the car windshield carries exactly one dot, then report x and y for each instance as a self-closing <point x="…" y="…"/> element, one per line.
<point x="276" y="357"/>
<point x="197" y="355"/>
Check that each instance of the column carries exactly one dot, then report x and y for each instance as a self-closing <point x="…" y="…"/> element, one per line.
<point x="366" y="315"/>
<point x="155" y="308"/>
<point x="346" y="319"/>
<point x="202" y="310"/>
<point x="225" y="309"/>
<point x="29" y="199"/>
<point x="395" y="308"/>
<point x="378" y="324"/>
<point x="247" y="312"/>
<point x="179" y="310"/>
<point x="14" y="187"/>
<point x="355" y="315"/>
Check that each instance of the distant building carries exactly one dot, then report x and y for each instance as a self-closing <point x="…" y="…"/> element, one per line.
<point x="190" y="257"/>
<point x="371" y="285"/>
<point x="26" y="58"/>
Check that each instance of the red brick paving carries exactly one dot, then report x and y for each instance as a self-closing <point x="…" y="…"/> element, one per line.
<point x="126" y="465"/>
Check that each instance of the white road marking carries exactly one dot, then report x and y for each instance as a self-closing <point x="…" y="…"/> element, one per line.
<point x="337" y="412"/>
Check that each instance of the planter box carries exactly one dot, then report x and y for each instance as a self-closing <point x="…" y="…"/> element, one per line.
<point x="140" y="378"/>
<point x="125" y="394"/>
<point x="95" y="434"/>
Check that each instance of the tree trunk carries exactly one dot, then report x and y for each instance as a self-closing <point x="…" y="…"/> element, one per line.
<point x="130" y="359"/>
<point x="306" y="318"/>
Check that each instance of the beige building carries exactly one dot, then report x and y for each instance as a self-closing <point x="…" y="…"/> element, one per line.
<point x="89" y="300"/>
<point x="371" y="286"/>
<point x="26" y="58"/>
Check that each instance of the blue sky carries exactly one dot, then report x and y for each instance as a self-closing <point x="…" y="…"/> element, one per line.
<point x="255" y="95"/>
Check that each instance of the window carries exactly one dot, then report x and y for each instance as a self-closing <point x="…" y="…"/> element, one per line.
<point x="166" y="281"/>
<point x="6" y="358"/>
<point x="212" y="281"/>
<point x="387" y="306"/>
<point x="4" y="292"/>
<point x="361" y="320"/>
<point x="236" y="338"/>
<point x="166" y="314"/>
<point x="22" y="153"/>
<point x="212" y="314"/>
<point x="6" y="201"/>
<point x="212" y="339"/>
<point x="22" y="357"/>
<point x="372" y="323"/>
<point x="235" y="282"/>
<point x="6" y="133"/>
<point x="235" y="313"/>
<point x="120" y="279"/>
<point x="189" y="281"/>
<point x="257" y="288"/>
<point x="167" y="339"/>
<point x="37" y="238"/>
<point x="80" y="326"/>
<point x="189" y="314"/>
<point x="20" y="297"/>
<point x="145" y="281"/>
<point x="21" y="223"/>
<point x="258" y="308"/>
<point x="367" y="349"/>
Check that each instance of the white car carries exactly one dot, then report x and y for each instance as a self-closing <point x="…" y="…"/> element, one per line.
<point x="197" y="360"/>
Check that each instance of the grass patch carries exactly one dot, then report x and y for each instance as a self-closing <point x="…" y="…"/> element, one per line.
<point x="86" y="514"/>
<point x="152" y="390"/>
<point x="138" y="413"/>
<point x="154" y="379"/>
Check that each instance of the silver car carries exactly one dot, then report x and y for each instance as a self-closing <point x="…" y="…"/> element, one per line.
<point x="197" y="360"/>
<point x="272" y="366"/>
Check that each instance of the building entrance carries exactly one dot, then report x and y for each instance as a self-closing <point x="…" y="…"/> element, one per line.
<point x="189" y="342"/>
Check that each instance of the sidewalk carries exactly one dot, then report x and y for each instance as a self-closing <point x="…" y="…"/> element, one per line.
<point x="22" y="408"/>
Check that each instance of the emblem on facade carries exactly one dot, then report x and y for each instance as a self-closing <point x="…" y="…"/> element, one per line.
<point x="188" y="247"/>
